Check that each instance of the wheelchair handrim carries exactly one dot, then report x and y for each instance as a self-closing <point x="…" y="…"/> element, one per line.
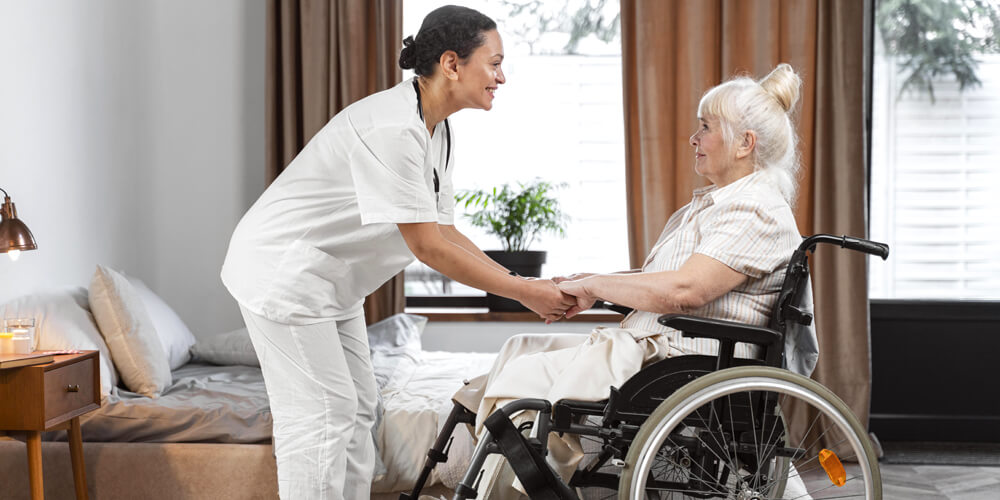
<point x="732" y="386"/>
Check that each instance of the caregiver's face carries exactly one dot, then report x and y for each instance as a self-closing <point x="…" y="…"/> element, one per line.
<point x="711" y="156"/>
<point x="480" y="74"/>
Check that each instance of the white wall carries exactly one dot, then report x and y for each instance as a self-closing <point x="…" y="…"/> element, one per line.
<point x="132" y="135"/>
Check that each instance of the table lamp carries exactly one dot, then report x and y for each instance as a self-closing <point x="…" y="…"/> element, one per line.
<point x="14" y="235"/>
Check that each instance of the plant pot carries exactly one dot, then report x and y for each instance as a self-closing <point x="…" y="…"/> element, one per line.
<point x="526" y="263"/>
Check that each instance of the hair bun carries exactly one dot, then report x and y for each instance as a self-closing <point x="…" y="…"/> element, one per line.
<point x="408" y="56"/>
<point x="784" y="84"/>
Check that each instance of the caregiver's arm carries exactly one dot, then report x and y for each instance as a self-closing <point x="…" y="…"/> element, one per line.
<point x="699" y="281"/>
<point x="452" y="234"/>
<point x="432" y="248"/>
<point x="580" y="276"/>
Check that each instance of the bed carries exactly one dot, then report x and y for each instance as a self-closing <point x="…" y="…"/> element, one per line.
<point x="208" y="433"/>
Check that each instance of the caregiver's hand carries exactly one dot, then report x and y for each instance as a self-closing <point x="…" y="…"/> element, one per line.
<point x="544" y="298"/>
<point x="575" y="276"/>
<point x="582" y="291"/>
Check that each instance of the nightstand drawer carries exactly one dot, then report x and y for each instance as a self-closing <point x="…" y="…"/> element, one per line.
<point x="69" y="388"/>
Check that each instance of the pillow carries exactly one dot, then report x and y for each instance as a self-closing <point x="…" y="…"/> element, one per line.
<point x="63" y="321"/>
<point x="174" y="335"/>
<point x="129" y="332"/>
<point x="393" y="336"/>
<point x="393" y="340"/>
<point x="397" y="333"/>
<point x="230" y="348"/>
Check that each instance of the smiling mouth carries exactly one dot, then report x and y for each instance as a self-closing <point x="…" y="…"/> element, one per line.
<point x="491" y="91"/>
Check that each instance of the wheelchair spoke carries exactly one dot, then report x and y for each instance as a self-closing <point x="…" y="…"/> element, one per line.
<point x="751" y="455"/>
<point x="679" y="467"/>
<point x="730" y="460"/>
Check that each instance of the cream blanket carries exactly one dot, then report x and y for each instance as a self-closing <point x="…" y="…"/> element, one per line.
<point x="568" y="366"/>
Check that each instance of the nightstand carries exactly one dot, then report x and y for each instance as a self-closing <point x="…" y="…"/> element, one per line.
<point x="51" y="397"/>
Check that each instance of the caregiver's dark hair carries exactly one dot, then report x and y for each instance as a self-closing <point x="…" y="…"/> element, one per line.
<point x="446" y="28"/>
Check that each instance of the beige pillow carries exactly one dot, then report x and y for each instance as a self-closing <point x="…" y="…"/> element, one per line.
<point x="129" y="333"/>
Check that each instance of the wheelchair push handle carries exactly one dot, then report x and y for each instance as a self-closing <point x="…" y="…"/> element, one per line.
<point x="848" y="242"/>
<point x="867" y="246"/>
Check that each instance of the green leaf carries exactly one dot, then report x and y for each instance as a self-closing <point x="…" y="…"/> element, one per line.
<point x="516" y="215"/>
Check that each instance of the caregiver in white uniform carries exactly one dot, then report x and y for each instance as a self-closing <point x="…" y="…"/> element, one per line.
<point x="371" y="191"/>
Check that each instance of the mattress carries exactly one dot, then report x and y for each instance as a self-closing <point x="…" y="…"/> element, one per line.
<point x="228" y="404"/>
<point x="203" y="404"/>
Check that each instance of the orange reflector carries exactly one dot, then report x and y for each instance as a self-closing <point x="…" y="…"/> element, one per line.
<point x="831" y="464"/>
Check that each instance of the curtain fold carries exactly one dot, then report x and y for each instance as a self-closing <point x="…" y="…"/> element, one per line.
<point x="672" y="52"/>
<point x="322" y="55"/>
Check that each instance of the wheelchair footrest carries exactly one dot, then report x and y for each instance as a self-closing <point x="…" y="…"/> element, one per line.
<point x="537" y="477"/>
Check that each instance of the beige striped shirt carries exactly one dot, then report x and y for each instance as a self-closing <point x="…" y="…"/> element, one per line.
<point x="746" y="225"/>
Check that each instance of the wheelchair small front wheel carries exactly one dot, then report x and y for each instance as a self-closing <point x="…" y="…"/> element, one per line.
<point x="723" y="436"/>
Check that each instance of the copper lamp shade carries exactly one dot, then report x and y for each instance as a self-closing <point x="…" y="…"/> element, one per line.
<point x="14" y="235"/>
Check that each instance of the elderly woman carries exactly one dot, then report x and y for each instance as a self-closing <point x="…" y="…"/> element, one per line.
<point x="722" y="256"/>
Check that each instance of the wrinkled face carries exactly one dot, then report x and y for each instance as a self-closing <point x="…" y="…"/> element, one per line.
<point x="480" y="74"/>
<point x="712" y="158"/>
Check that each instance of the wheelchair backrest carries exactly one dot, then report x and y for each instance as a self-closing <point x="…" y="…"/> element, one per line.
<point x="792" y="313"/>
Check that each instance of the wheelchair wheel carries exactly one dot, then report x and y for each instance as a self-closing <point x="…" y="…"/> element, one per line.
<point x="723" y="436"/>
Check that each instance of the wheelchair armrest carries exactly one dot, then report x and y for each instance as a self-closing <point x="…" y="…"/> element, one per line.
<point x="694" y="326"/>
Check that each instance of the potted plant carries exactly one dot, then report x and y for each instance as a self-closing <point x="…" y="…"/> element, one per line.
<point x="517" y="216"/>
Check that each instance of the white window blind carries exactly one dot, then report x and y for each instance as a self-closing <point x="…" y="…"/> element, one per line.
<point x="935" y="186"/>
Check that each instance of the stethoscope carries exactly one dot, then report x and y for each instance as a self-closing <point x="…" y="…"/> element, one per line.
<point x="447" y="136"/>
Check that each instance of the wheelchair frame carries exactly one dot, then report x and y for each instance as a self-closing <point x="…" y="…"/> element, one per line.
<point x="628" y="408"/>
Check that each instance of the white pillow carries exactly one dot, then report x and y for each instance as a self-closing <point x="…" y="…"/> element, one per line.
<point x="63" y="321"/>
<point x="174" y="335"/>
<point x="129" y="332"/>
<point x="394" y="336"/>
<point x="230" y="348"/>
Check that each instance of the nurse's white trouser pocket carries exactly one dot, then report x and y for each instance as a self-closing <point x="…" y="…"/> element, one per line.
<point x="312" y="283"/>
<point x="323" y="395"/>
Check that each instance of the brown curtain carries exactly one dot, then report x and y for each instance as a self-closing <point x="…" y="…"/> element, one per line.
<point x="322" y="55"/>
<point x="675" y="51"/>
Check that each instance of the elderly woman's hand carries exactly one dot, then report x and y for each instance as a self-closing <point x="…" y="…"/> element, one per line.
<point x="581" y="289"/>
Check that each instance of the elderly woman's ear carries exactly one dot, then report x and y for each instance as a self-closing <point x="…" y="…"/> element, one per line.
<point x="746" y="145"/>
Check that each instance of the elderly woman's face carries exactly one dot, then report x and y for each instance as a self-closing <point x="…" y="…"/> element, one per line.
<point x="712" y="157"/>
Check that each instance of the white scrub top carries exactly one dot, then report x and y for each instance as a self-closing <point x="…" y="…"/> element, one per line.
<point x="323" y="235"/>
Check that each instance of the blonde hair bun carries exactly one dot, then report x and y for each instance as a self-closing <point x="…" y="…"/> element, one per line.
<point x="784" y="84"/>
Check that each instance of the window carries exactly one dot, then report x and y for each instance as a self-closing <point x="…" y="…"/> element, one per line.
<point x="935" y="179"/>
<point x="558" y="118"/>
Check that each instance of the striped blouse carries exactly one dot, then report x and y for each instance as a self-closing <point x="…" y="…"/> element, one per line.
<point x="748" y="226"/>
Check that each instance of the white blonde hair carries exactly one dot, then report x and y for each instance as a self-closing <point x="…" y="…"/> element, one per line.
<point x="764" y="107"/>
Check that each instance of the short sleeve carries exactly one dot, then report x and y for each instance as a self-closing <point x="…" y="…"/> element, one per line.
<point x="387" y="167"/>
<point x="446" y="203"/>
<point x="745" y="236"/>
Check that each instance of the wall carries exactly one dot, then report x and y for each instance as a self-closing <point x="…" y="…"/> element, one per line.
<point x="132" y="135"/>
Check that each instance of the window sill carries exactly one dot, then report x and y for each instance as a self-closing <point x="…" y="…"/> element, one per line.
<point x="483" y="314"/>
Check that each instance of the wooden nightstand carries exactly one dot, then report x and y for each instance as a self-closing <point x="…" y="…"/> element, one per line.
<point x="51" y="397"/>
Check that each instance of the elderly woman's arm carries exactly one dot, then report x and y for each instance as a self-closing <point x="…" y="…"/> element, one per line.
<point x="699" y="281"/>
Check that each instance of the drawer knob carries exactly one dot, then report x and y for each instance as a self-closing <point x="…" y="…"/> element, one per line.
<point x="73" y="388"/>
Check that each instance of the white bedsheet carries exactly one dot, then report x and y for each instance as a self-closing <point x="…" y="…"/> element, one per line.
<point x="417" y="400"/>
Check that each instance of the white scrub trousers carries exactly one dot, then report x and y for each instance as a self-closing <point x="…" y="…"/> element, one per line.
<point x="323" y="395"/>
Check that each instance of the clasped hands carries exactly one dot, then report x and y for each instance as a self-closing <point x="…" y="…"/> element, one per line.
<point x="559" y="297"/>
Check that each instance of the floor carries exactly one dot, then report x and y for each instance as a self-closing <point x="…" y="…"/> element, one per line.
<point x="906" y="482"/>
<point x="952" y="482"/>
<point x="926" y="482"/>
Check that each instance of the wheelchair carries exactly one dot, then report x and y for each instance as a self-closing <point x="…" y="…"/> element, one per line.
<point x="693" y="426"/>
